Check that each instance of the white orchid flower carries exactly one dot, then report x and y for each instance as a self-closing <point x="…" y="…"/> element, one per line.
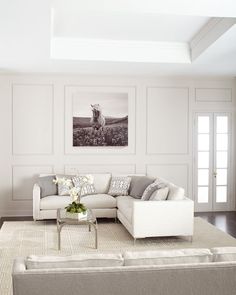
<point x="89" y="178"/>
<point x="74" y="193"/>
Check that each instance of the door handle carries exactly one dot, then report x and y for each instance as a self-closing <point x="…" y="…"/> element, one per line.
<point x="215" y="174"/>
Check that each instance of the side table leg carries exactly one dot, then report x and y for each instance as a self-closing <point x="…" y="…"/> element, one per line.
<point x="95" y="233"/>
<point x="59" y="227"/>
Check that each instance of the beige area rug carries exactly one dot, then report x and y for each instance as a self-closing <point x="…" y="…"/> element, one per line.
<point x="22" y="238"/>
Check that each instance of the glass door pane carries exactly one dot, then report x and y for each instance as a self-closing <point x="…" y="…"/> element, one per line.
<point x="221" y="158"/>
<point x="203" y="158"/>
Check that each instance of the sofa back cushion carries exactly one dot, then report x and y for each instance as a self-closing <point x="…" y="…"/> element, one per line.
<point x="175" y="192"/>
<point x="74" y="261"/>
<point x="162" y="257"/>
<point x="221" y="254"/>
<point x="101" y="182"/>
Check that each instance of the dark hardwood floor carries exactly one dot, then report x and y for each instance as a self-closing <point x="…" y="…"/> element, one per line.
<point x="225" y="221"/>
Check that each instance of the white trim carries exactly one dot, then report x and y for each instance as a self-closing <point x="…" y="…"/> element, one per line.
<point x="119" y="50"/>
<point x="212" y="31"/>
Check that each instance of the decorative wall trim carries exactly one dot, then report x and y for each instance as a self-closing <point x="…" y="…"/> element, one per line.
<point x="12" y="119"/>
<point x="12" y="180"/>
<point x="101" y="165"/>
<point x="215" y="101"/>
<point x="103" y="150"/>
<point x="188" y="114"/>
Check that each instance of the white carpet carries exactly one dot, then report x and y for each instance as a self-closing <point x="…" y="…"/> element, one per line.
<point x="22" y="238"/>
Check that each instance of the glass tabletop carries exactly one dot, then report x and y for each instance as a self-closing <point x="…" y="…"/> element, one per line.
<point x="75" y="218"/>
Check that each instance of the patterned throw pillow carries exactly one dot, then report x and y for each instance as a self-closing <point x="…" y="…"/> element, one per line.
<point x="87" y="188"/>
<point x="160" y="195"/>
<point x="64" y="185"/>
<point x="119" y="186"/>
<point x="156" y="185"/>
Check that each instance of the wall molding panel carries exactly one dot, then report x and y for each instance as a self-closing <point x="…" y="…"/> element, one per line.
<point x="36" y="125"/>
<point x="32" y="119"/>
<point x="167" y="120"/>
<point x="213" y="95"/>
<point x="176" y="173"/>
<point x="101" y="168"/>
<point x="23" y="179"/>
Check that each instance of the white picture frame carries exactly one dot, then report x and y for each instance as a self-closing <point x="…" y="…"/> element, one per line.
<point x="73" y="91"/>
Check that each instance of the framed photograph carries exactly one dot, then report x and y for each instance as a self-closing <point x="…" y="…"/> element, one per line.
<point x="99" y="119"/>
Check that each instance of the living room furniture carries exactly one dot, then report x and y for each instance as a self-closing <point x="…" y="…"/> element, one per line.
<point x="171" y="217"/>
<point x="172" y="272"/>
<point x="156" y="218"/>
<point x="66" y="219"/>
<point x="103" y="205"/>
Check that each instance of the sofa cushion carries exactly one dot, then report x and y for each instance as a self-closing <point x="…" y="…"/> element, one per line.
<point x="175" y="192"/>
<point x="91" y="201"/>
<point x="54" y="202"/>
<point x="119" y="186"/>
<point x="224" y="254"/>
<point x="125" y="205"/>
<point x="160" y="194"/>
<point x="99" y="201"/>
<point x="162" y="257"/>
<point x="138" y="185"/>
<point x="47" y="186"/>
<point x="74" y="261"/>
<point x="101" y="182"/>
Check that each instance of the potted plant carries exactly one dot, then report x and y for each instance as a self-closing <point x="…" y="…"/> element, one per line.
<point x="75" y="209"/>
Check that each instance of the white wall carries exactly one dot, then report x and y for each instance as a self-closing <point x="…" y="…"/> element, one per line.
<point x="33" y="125"/>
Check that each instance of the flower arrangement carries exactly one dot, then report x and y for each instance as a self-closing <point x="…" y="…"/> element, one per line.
<point x="75" y="192"/>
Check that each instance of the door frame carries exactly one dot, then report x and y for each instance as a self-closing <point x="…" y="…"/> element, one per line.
<point x="212" y="206"/>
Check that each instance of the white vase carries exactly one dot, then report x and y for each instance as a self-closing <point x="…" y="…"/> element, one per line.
<point x="82" y="216"/>
<point x="79" y="216"/>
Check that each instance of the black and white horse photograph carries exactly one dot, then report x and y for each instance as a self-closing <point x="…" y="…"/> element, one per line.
<point x="100" y="119"/>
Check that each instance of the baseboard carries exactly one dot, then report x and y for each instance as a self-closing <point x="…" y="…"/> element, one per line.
<point x="15" y="213"/>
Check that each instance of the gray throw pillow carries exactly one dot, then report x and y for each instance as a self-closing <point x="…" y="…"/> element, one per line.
<point x="47" y="186"/>
<point x="138" y="185"/>
<point x="150" y="190"/>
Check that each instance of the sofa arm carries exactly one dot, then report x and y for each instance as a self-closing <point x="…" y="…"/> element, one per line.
<point x="18" y="265"/>
<point x="36" y="201"/>
<point x="163" y="218"/>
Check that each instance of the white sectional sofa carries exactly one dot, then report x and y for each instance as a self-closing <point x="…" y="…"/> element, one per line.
<point x="173" y="272"/>
<point x="171" y="217"/>
<point x="102" y="204"/>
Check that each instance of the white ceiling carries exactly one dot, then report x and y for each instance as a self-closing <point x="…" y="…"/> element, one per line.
<point x="26" y="33"/>
<point x="124" y="26"/>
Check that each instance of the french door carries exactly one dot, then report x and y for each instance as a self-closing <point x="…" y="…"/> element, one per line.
<point x="212" y="161"/>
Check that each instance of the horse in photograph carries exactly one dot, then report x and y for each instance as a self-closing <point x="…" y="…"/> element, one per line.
<point x="98" y="120"/>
